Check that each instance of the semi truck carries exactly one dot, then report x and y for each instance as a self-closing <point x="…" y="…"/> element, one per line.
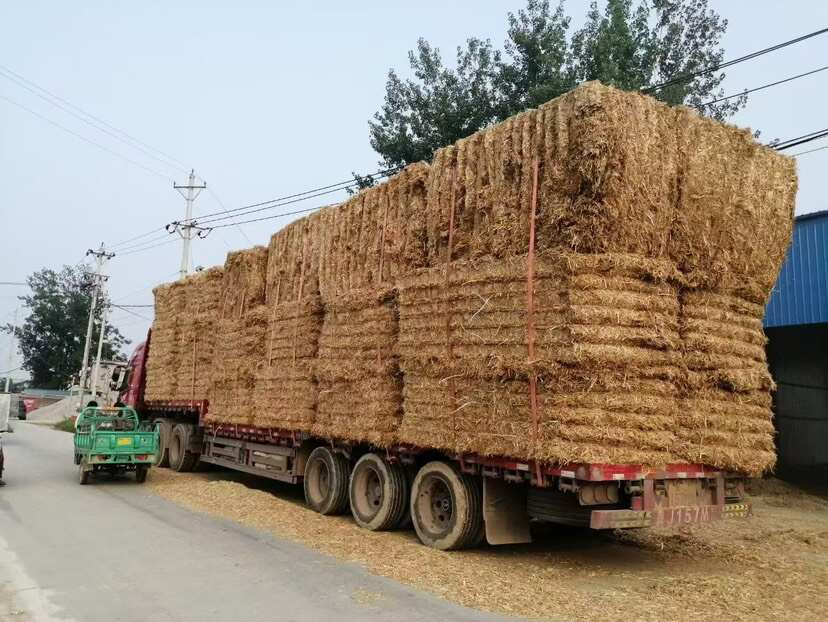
<point x="453" y="501"/>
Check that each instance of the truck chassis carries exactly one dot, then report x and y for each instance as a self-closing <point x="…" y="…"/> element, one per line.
<point x="454" y="501"/>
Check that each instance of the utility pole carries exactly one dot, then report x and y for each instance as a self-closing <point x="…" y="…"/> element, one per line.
<point x="97" y="372"/>
<point x="11" y="352"/>
<point x="101" y="255"/>
<point x="188" y="226"/>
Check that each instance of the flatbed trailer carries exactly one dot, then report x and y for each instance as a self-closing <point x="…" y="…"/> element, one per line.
<point x="453" y="500"/>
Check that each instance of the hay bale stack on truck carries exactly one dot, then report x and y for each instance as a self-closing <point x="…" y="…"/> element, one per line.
<point x="558" y="319"/>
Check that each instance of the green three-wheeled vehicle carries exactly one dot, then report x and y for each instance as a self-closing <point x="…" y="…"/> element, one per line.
<point x="115" y="441"/>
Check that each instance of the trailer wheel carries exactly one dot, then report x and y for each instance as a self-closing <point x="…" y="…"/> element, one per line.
<point x="162" y="456"/>
<point x="181" y="458"/>
<point x="326" y="481"/>
<point x="141" y="473"/>
<point x="83" y="474"/>
<point x="378" y="492"/>
<point x="446" y="507"/>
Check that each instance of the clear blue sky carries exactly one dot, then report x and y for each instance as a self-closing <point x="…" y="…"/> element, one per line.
<point x="265" y="99"/>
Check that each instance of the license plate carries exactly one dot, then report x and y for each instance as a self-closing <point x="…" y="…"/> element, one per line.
<point x="124" y="441"/>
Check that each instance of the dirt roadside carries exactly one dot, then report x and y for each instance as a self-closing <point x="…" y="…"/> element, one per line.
<point x="771" y="566"/>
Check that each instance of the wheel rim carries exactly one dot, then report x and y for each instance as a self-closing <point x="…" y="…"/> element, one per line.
<point x="319" y="479"/>
<point x="435" y="506"/>
<point x="368" y="494"/>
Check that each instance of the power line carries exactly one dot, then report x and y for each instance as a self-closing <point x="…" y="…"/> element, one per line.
<point x="794" y="155"/>
<point x="280" y="215"/>
<point x="138" y="237"/>
<point x="143" y="317"/>
<point x="146" y="248"/>
<point x="691" y="76"/>
<point x="84" y="138"/>
<point x="285" y="199"/>
<point x="143" y="243"/>
<point x="799" y="140"/>
<point x="50" y="99"/>
<point x="137" y="144"/>
<point x="225" y="211"/>
<point x="209" y="221"/>
<point x="764" y="86"/>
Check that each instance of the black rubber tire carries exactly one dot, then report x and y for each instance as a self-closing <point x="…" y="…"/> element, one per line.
<point x="83" y="475"/>
<point x="405" y="520"/>
<point x="141" y="473"/>
<point x="378" y="493"/>
<point x="446" y="507"/>
<point x="326" y="482"/>
<point x="162" y="456"/>
<point x="181" y="458"/>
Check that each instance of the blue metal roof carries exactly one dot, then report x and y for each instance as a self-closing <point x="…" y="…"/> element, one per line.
<point x="800" y="295"/>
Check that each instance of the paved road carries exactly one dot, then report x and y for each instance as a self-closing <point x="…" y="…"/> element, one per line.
<point x="112" y="551"/>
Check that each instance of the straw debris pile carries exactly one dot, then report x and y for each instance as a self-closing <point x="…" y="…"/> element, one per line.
<point x="240" y="337"/>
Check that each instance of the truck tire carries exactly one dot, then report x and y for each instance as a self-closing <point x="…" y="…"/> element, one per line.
<point x="446" y="507"/>
<point x="141" y="473"/>
<point x="378" y="492"/>
<point x="326" y="482"/>
<point x="181" y="458"/>
<point x="162" y="456"/>
<point x="83" y="474"/>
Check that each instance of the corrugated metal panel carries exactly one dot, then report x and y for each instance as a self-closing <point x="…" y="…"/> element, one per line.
<point x="800" y="295"/>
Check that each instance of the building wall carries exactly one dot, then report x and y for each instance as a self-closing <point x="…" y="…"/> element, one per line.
<point x="798" y="358"/>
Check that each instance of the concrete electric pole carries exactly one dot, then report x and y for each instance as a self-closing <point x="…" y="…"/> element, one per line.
<point x="187" y="227"/>
<point x="11" y="353"/>
<point x="101" y="255"/>
<point x="97" y="371"/>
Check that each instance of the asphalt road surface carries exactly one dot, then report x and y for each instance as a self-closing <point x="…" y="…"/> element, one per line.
<point x="112" y="551"/>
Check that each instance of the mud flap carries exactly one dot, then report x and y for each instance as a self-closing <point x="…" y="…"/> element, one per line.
<point x="504" y="512"/>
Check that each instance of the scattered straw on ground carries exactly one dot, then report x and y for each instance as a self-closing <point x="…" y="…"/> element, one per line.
<point x="771" y="566"/>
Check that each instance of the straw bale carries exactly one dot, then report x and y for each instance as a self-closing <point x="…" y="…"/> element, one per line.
<point x="196" y="333"/>
<point x="375" y="236"/>
<point x="599" y="417"/>
<point x="293" y="260"/>
<point x="727" y="429"/>
<point x="286" y="392"/>
<point x="244" y="281"/>
<point x="735" y="208"/>
<point x="608" y="165"/>
<point x="357" y="370"/>
<point x="597" y="311"/>
<point x="238" y="353"/>
<point x="163" y="364"/>
<point x="724" y="343"/>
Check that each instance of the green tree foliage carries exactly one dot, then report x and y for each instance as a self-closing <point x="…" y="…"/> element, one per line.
<point x="51" y="338"/>
<point x="629" y="44"/>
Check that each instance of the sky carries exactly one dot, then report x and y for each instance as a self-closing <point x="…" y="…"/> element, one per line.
<point x="263" y="99"/>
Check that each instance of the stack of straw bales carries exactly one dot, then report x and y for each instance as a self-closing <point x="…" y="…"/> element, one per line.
<point x="403" y="315"/>
<point x="197" y="318"/>
<point x="240" y="337"/>
<point x="605" y="354"/>
<point x="358" y="373"/>
<point x="164" y="364"/>
<point x="286" y="392"/>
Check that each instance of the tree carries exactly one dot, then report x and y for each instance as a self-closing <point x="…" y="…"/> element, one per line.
<point x="52" y="336"/>
<point x="631" y="44"/>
